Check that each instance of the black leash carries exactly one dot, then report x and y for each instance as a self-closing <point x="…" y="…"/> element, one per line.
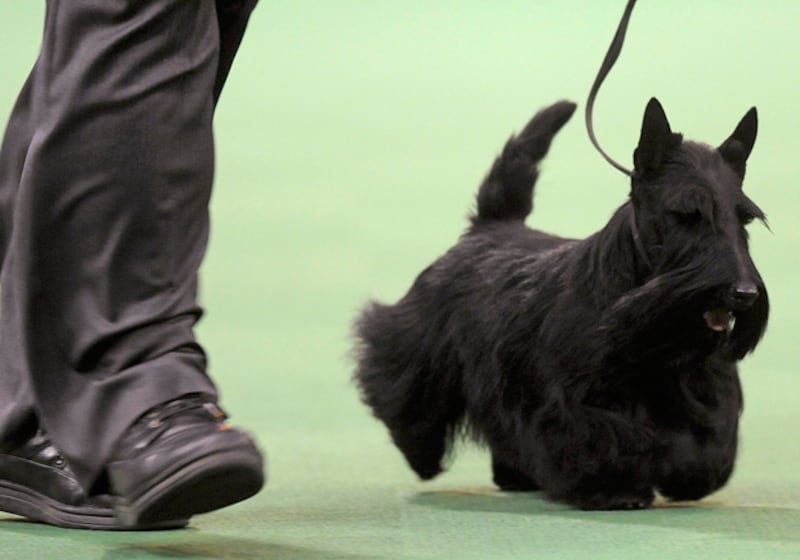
<point x="611" y="57"/>
<point x="608" y="62"/>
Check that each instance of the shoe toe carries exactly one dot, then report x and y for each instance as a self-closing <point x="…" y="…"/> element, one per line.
<point x="175" y="466"/>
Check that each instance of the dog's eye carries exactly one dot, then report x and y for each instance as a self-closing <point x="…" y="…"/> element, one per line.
<point x="746" y="218"/>
<point x="690" y="218"/>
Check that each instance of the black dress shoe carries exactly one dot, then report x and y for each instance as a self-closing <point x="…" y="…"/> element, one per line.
<point x="179" y="459"/>
<point x="36" y="482"/>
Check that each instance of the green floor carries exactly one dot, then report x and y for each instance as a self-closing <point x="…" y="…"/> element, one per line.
<point x="351" y="139"/>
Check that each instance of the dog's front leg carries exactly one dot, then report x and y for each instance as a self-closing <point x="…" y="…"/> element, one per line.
<point x="698" y="448"/>
<point x="593" y="458"/>
<point x="696" y="464"/>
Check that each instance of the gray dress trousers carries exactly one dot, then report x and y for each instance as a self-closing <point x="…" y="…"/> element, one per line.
<point x="105" y="176"/>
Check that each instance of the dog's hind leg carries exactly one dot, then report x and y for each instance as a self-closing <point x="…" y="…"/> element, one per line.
<point x="414" y="399"/>
<point x="509" y="471"/>
<point x="420" y="427"/>
<point x="424" y="443"/>
<point x="511" y="479"/>
<point x="422" y="424"/>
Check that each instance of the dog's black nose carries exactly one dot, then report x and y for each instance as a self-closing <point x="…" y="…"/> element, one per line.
<point x="743" y="294"/>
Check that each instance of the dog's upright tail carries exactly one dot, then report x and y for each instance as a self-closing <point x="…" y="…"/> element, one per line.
<point x="507" y="191"/>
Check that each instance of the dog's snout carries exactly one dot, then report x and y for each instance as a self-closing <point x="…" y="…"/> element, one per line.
<point x="743" y="294"/>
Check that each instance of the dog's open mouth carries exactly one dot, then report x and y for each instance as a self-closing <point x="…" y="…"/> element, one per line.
<point x="719" y="320"/>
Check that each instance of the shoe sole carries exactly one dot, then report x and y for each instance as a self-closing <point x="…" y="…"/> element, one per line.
<point x="206" y="484"/>
<point x="22" y="501"/>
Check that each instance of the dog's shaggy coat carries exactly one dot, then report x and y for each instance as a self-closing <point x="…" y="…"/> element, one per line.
<point x="598" y="370"/>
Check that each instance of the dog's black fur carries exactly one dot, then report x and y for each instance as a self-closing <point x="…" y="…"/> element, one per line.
<point x="598" y="370"/>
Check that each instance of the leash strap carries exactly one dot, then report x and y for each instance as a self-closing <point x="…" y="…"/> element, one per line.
<point x="608" y="62"/>
<point x="611" y="57"/>
<point x="637" y="241"/>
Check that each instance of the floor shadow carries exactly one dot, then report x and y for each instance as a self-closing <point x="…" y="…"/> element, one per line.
<point x="764" y="523"/>
<point x="175" y="544"/>
<point x="213" y="548"/>
<point x="779" y="522"/>
<point x="25" y="526"/>
<point x="486" y="500"/>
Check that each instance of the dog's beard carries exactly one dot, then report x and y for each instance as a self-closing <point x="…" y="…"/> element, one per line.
<point x="749" y="326"/>
<point x="639" y="326"/>
<point x="737" y="331"/>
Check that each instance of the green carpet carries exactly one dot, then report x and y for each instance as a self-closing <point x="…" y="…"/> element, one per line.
<point x="351" y="139"/>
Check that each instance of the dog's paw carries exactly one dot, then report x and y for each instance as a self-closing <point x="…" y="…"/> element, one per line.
<point x="509" y="479"/>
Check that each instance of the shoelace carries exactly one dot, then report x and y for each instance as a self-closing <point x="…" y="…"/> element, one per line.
<point x="41" y="450"/>
<point x="154" y="423"/>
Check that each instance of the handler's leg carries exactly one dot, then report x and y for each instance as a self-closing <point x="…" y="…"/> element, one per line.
<point x="17" y="418"/>
<point x="34" y="479"/>
<point x="110" y="226"/>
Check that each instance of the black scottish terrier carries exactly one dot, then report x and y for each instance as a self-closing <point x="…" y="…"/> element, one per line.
<point x="598" y="370"/>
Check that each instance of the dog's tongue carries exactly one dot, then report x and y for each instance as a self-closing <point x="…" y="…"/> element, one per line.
<point x="718" y="319"/>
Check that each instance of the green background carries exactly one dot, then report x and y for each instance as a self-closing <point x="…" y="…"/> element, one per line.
<point x="351" y="138"/>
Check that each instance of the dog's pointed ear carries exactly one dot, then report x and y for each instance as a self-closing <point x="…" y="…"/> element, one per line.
<point x="736" y="149"/>
<point x="656" y="140"/>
